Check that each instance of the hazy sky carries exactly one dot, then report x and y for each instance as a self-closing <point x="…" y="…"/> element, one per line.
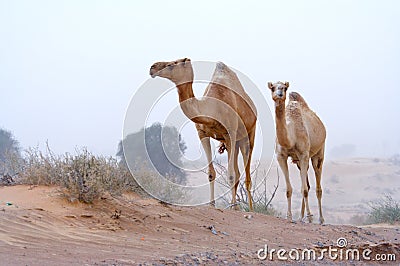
<point x="68" y="69"/>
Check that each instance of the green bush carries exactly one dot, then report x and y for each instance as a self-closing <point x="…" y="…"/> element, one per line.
<point x="260" y="207"/>
<point x="385" y="210"/>
<point x="159" y="148"/>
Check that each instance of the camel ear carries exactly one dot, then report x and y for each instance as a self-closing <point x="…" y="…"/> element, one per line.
<point x="287" y="84"/>
<point x="270" y="86"/>
<point x="186" y="61"/>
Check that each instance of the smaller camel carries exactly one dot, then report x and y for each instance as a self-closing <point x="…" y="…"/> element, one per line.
<point x="300" y="135"/>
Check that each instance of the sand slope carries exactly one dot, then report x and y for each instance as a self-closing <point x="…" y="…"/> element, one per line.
<point x="42" y="228"/>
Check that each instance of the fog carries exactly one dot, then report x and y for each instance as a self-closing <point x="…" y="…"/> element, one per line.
<point x="68" y="69"/>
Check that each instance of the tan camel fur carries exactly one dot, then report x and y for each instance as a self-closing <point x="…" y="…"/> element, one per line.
<point x="301" y="136"/>
<point x="225" y="113"/>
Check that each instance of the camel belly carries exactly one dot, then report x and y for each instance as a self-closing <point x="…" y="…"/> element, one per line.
<point x="216" y="132"/>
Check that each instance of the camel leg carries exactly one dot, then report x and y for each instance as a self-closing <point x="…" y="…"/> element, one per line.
<point x="302" y="200"/>
<point x="282" y="160"/>
<point x="304" y="163"/>
<point x="232" y="150"/>
<point x="205" y="141"/>
<point x="246" y="148"/>
<point x="237" y="175"/>
<point x="317" y="162"/>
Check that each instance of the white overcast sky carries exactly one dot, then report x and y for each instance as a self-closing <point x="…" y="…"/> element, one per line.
<point x="68" y="69"/>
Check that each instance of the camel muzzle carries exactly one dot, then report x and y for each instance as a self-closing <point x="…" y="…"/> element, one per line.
<point x="153" y="72"/>
<point x="279" y="94"/>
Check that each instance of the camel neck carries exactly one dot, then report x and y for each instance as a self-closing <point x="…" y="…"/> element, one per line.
<point x="185" y="91"/>
<point x="192" y="107"/>
<point x="280" y="111"/>
<point x="281" y="126"/>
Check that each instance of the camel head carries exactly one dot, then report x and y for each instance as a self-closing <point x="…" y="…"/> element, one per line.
<point x="178" y="71"/>
<point x="278" y="90"/>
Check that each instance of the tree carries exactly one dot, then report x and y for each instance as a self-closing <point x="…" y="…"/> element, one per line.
<point x="10" y="153"/>
<point x="159" y="148"/>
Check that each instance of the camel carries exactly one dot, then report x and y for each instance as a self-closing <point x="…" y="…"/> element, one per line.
<point x="225" y="113"/>
<point x="301" y="136"/>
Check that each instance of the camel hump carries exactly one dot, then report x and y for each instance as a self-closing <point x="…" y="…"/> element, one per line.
<point x="294" y="96"/>
<point x="225" y="76"/>
<point x="223" y="69"/>
<point x="221" y="66"/>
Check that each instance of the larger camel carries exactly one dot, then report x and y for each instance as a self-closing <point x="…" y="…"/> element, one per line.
<point x="225" y="113"/>
<point x="301" y="136"/>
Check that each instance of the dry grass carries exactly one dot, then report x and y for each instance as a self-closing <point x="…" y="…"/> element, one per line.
<point x="167" y="190"/>
<point x="82" y="176"/>
<point x="85" y="177"/>
<point x="262" y="199"/>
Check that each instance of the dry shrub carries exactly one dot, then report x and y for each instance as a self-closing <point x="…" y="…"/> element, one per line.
<point x="262" y="198"/>
<point x="82" y="177"/>
<point x="164" y="189"/>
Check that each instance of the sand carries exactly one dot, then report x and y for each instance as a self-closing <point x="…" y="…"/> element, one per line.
<point x="43" y="228"/>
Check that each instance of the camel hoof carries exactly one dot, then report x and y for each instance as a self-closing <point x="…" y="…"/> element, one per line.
<point x="212" y="203"/>
<point x="321" y="220"/>
<point x="306" y="218"/>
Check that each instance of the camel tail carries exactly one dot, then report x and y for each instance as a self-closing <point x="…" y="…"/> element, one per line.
<point x="294" y="96"/>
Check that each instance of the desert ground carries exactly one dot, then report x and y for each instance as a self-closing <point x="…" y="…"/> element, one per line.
<point x="349" y="186"/>
<point x="40" y="227"/>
